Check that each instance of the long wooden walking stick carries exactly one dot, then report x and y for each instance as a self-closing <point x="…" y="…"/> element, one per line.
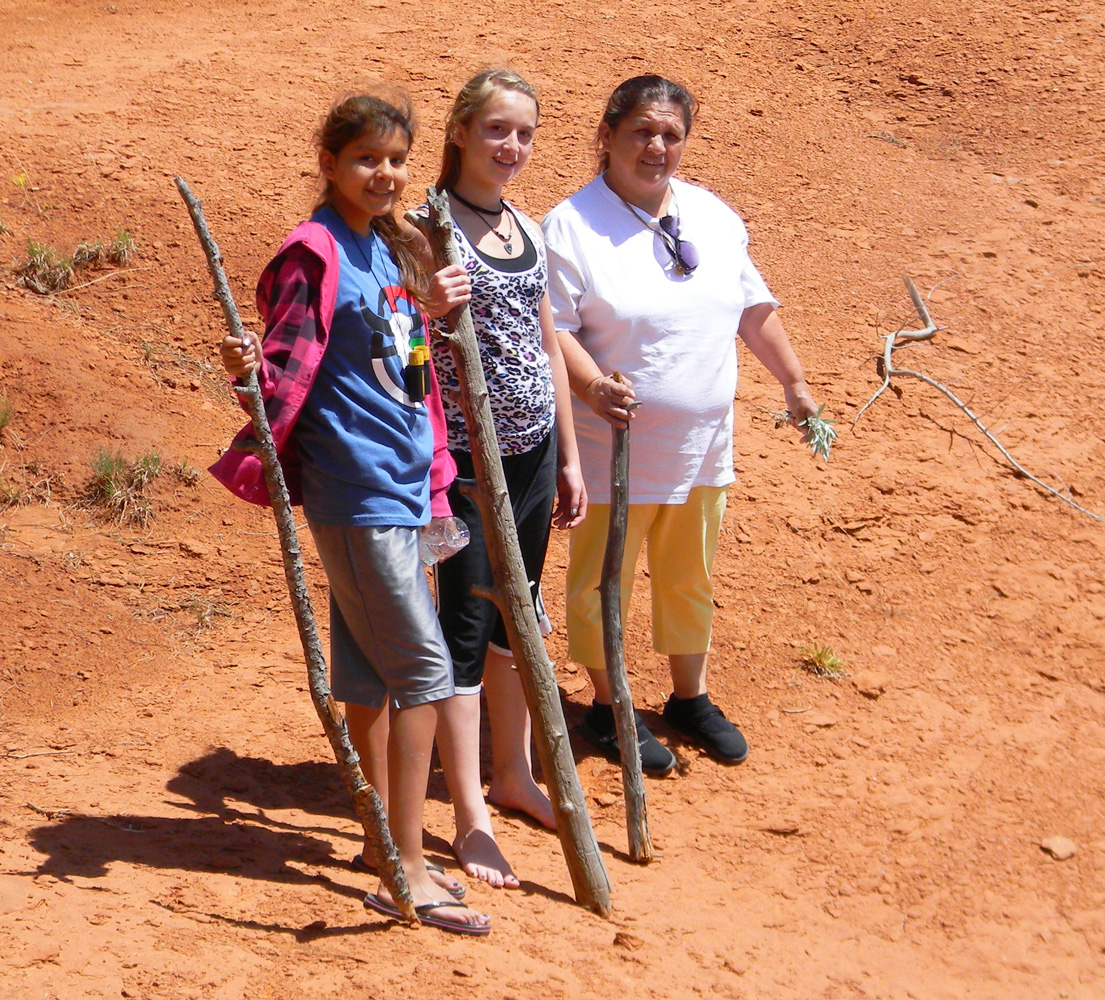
<point x="511" y="592"/>
<point x="366" y="801"/>
<point x="613" y="647"/>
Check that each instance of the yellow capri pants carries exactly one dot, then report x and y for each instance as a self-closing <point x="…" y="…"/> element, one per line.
<point x="682" y="540"/>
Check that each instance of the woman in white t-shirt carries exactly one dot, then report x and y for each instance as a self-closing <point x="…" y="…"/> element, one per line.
<point x="650" y="277"/>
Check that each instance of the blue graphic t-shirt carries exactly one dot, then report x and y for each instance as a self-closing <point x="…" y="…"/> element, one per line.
<point x="365" y="446"/>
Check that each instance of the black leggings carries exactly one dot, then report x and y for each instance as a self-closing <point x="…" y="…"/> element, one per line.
<point x="470" y="622"/>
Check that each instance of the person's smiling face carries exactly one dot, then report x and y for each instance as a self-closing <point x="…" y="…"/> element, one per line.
<point x="644" y="150"/>
<point x="497" y="142"/>
<point x="366" y="177"/>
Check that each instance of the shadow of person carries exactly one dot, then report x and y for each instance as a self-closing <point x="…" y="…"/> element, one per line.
<point x="86" y="846"/>
<point x="208" y="782"/>
<point x="228" y="824"/>
<point x="222" y="783"/>
<point x="234" y="833"/>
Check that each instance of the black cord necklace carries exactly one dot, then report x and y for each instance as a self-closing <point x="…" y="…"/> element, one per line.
<point x="483" y="213"/>
<point x="369" y="263"/>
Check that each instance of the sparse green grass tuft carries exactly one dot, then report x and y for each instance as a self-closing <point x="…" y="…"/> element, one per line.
<point x="119" y="487"/>
<point x="6" y="413"/>
<point x="195" y="613"/>
<point x="821" y="660"/>
<point x="91" y="254"/>
<point x="122" y="249"/>
<point x="44" y="271"/>
<point x="888" y="137"/>
<point x="174" y="369"/>
<point x="147" y="468"/>
<point x="187" y="473"/>
<point x="205" y="610"/>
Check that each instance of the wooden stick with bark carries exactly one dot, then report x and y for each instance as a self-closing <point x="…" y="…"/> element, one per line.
<point x="511" y="593"/>
<point x="613" y="647"/>
<point x="366" y="800"/>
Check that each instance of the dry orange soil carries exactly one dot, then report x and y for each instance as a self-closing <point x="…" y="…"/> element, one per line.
<point x="173" y="825"/>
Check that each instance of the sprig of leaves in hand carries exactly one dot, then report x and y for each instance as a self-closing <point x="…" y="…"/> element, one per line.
<point x="820" y="431"/>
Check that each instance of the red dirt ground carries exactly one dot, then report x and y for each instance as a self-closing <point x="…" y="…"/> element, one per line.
<point x="173" y="826"/>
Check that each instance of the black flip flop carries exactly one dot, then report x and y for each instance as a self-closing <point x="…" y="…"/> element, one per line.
<point x="373" y="902"/>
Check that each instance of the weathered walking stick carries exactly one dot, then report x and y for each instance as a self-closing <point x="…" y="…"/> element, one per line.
<point x="610" y="593"/>
<point x="511" y="592"/>
<point x="366" y="801"/>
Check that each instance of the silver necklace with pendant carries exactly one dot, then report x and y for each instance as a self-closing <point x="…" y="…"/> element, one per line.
<point x="508" y="239"/>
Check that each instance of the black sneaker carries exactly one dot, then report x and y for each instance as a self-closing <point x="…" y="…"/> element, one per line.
<point x="701" y="721"/>
<point x="598" y="729"/>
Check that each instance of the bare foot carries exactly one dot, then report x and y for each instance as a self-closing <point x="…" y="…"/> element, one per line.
<point x="528" y="798"/>
<point x="481" y="858"/>
<point x="438" y="876"/>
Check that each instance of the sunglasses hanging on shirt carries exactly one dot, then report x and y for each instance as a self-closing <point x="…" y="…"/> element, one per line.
<point x="683" y="253"/>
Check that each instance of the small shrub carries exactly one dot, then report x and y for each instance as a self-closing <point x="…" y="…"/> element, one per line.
<point x="119" y="486"/>
<point x="122" y="249"/>
<point x="822" y="661"/>
<point x="820" y="433"/>
<point x="44" y="271"/>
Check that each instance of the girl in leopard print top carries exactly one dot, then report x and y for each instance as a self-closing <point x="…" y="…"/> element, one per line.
<point x="488" y="139"/>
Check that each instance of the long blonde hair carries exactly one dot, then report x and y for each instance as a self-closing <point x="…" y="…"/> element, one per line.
<point x="469" y="103"/>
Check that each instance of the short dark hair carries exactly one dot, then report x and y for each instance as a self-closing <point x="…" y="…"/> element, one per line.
<point x="648" y="89"/>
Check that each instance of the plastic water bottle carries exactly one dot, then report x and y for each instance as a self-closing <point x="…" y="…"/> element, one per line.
<point x="441" y="538"/>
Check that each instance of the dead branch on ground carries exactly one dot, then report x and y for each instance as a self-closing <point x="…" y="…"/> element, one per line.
<point x="903" y="338"/>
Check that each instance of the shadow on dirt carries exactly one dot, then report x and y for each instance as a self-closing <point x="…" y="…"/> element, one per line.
<point x="228" y="836"/>
<point x="233" y="832"/>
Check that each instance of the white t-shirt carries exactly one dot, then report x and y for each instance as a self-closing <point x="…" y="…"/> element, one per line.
<point x="613" y="284"/>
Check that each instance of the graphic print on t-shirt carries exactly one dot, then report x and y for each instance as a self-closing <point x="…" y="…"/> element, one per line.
<point x="392" y="333"/>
